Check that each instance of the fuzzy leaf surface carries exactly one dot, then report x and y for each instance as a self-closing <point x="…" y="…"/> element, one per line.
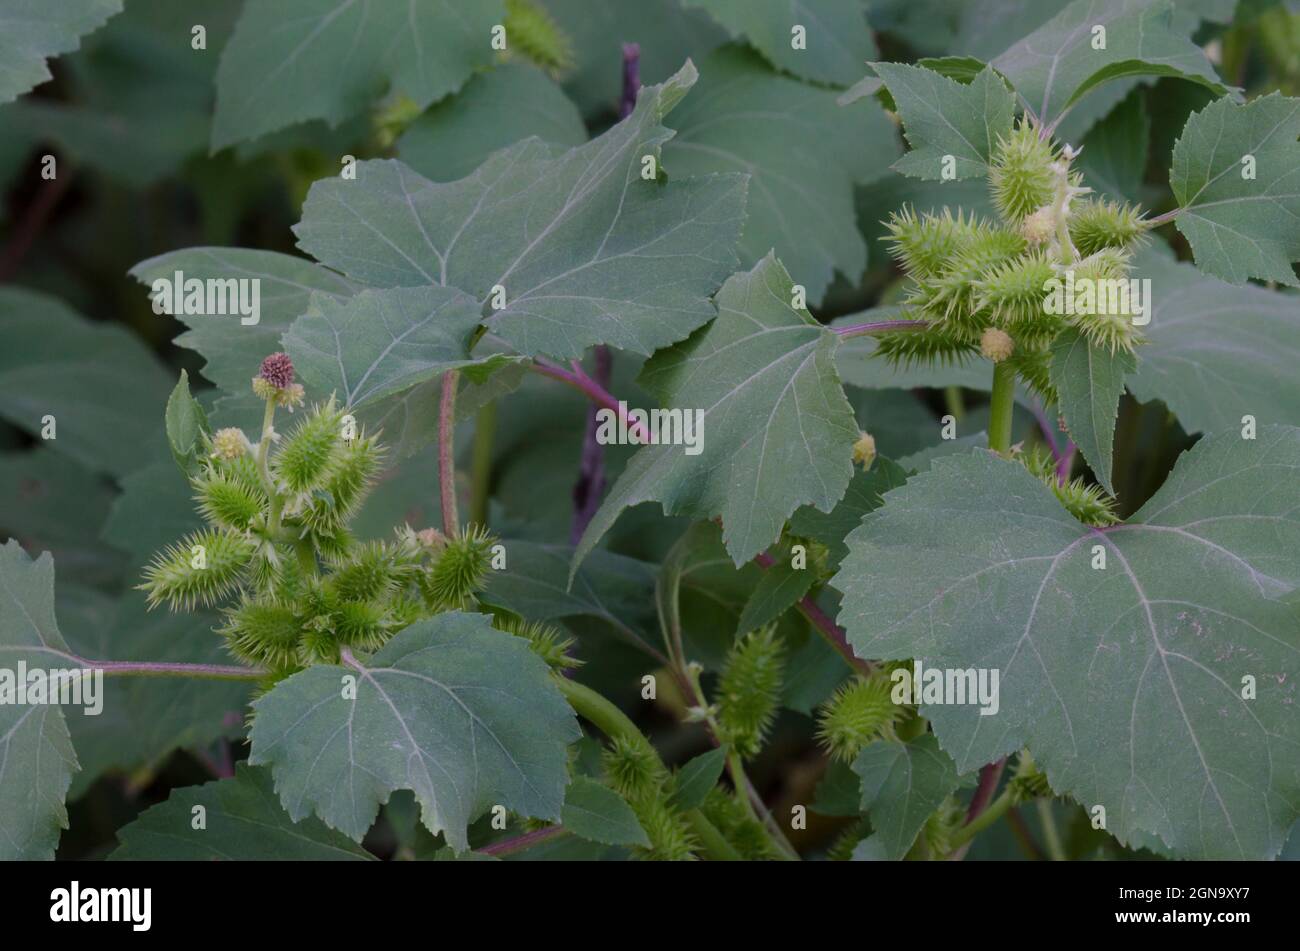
<point x="586" y="250"/>
<point x="293" y="60"/>
<point x="838" y="41"/>
<point x="245" y="822"/>
<point x="1241" y="227"/>
<point x="1054" y="66"/>
<point x="1089" y="381"/>
<point x="808" y="219"/>
<point x="1125" y="682"/>
<point x="463" y="715"/>
<point x="31" y="32"/>
<point x="36" y="756"/>
<point x="595" y="812"/>
<point x="777" y="429"/>
<point x="902" y="784"/>
<point x="942" y="117"/>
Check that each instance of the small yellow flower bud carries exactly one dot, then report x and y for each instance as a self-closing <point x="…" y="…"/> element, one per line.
<point x="229" y="443"/>
<point x="864" y="450"/>
<point x="1038" y="227"/>
<point x="996" y="344"/>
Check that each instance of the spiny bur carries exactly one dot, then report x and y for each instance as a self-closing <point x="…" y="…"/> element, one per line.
<point x="750" y="688"/>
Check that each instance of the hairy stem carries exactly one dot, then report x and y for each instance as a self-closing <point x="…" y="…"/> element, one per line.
<point x="485" y="426"/>
<point x="592" y="390"/>
<point x="524" y="842"/>
<point x="985" y="819"/>
<point x="129" y="668"/>
<point x="879" y="326"/>
<point x="827" y="628"/>
<point x="590" y="486"/>
<point x="447" y="453"/>
<point x="1000" y="411"/>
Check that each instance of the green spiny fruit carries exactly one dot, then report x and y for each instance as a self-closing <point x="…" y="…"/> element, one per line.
<point x="1104" y="311"/>
<point x="460" y="569"/>
<point x="318" y="646"/>
<point x="671" y="838"/>
<point x="200" y="569"/>
<point x="841" y="850"/>
<point x="936" y="838"/>
<point x="860" y="711"/>
<point x="310" y="455"/>
<point x="371" y="572"/>
<point x="533" y="32"/>
<point x="264" y="632"/>
<point x="356" y="466"/>
<point x="925" y="245"/>
<point x="361" y="624"/>
<point x="729" y="815"/>
<point x="1032" y="361"/>
<point x="1020" y="174"/>
<point x="935" y="345"/>
<point x="951" y="296"/>
<point x="633" y="768"/>
<point x="1013" y="291"/>
<point x="749" y="689"/>
<point x="1095" y="225"/>
<point x="546" y="640"/>
<point x="1029" y="782"/>
<point x="1088" y="503"/>
<point x="227" y="501"/>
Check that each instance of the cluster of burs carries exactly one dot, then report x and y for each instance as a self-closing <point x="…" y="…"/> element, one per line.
<point x="296" y="586"/>
<point x="983" y="286"/>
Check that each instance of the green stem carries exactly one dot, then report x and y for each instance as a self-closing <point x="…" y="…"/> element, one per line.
<point x="954" y="403"/>
<point x="1000" y="412"/>
<point x="985" y="819"/>
<point x="485" y="426"/>
<point x="1051" y="836"/>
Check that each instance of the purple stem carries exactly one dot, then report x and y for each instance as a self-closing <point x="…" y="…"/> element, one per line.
<point x="879" y="326"/>
<point x="591" y="389"/>
<point x="120" y="668"/>
<point x="522" y="843"/>
<point x="831" y="631"/>
<point x="447" y="454"/>
<point x="1065" y="463"/>
<point x="590" y="486"/>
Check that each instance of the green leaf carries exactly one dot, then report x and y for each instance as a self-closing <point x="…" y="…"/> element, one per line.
<point x="329" y="59"/>
<point x="809" y="220"/>
<point x="864" y="494"/>
<point x="1089" y="381"/>
<point x="186" y="425"/>
<point x="100" y="383"/>
<point x="598" y="814"/>
<point x="780" y="588"/>
<point x="381" y="342"/>
<point x="461" y="714"/>
<point x="1114" y="157"/>
<point x="242" y="821"/>
<point x="1241" y="227"/>
<point x="234" y="350"/>
<point x="837" y="39"/>
<point x="902" y="784"/>
<point x="1125" y="682"/>
<point x="1216" y="353"/>
<point x="1054" y="66"/>
<point x="777" y="429"/>
<point x="35" y="750"/>
<point x="495" y="109"/>
<point x="58" y="506"/>
<point x="942" y="118"/>
<point x="535" y="585"/>
<point x="699" y="775"/>
<point x="34" y="32"/>
<point x="586" y="250"/>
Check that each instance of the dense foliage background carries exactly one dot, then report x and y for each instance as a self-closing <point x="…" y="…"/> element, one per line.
<point x="160" y="146"/>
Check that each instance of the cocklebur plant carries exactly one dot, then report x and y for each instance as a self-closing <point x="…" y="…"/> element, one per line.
<point x="878" y="617"/>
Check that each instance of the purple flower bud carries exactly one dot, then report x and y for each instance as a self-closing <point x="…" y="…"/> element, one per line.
<point x="277" y="369"/>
